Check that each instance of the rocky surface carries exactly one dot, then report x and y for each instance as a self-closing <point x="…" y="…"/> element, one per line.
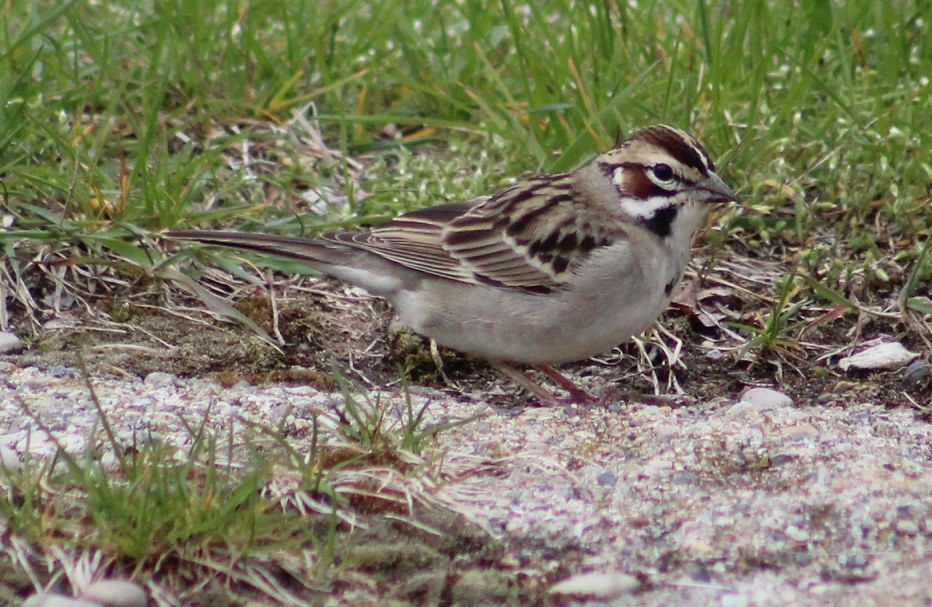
<point x="752" y="500"/>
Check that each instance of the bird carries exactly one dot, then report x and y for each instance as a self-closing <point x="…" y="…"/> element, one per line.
<point x="549" y="270"/>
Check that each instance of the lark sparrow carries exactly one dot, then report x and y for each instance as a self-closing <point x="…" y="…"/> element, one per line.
<point x="553" y="269"/>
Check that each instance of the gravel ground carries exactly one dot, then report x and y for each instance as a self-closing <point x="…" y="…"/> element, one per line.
<point x="718" y="503"/>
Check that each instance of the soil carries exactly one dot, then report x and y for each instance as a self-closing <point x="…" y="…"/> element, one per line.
<point x="326" y="326"/>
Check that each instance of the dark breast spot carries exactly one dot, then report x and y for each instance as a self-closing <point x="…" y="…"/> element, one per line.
<point x="661" y="222"/>
<point x="668" y="288"/>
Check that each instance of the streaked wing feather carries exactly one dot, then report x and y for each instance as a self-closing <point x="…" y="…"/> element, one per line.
<point x="516" y="241"/>
<point x="509" y="240"/>
<point x="414" y="240"/>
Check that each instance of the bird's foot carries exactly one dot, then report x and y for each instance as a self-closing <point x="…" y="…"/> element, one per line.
<point x="577" y="396"/>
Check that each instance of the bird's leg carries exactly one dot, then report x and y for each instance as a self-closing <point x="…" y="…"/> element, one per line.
<point x="435" y="355"/>
<point x="522" y="379"/>
<point x="577" y="394"/>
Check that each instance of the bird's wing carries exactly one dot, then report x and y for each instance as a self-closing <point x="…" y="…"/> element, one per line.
<point x="413" y="240"/>
<point x="527" y="237"/>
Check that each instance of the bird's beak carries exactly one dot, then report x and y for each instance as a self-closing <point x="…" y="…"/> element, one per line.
<point x="717" y="189"/>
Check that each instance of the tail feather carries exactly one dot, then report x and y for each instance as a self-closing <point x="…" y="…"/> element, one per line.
<point x="345" y="262"/>
<point x="312" y="252"/>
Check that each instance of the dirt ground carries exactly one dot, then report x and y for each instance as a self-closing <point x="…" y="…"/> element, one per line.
<point x="322" y="325"/>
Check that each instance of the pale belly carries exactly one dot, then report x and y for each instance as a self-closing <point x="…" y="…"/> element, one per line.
<point x="505" y="325"/>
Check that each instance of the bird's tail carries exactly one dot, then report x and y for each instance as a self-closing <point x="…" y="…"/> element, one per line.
<point x="311" y="252"/>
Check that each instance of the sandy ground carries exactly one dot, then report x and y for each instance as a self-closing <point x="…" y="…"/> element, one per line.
<point x="716" y="503"/>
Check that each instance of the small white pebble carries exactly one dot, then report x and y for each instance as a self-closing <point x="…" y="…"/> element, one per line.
<point x="734" y="600"/>
<point x="907" y="527"/>
<point x="58" y="324"/>
<point x="115" y="593"/>
<point x="56" y="600"/>
<point x="740" y="410"/>
<point x="800" y="432"/>
<point x="826" y="588"/>
<point x="9" y="459"/>
<point x="605" y="586"/>
<point x="109" y="461"/>
<point x="158" y="378"/>
<point x="763" y="399"/>
<point x="698" y="547"/>
<point x="890" y="355"/>
<point x="796" y="534"/>
<point x="9" y="342"/>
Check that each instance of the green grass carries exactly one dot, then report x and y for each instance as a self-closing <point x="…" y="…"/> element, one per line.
<point x="230" y="510"/>
<point x="130" y="111"/>
<point x="120" y="119"/>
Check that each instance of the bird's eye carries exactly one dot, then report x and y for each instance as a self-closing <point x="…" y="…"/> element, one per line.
<point x="662" y="172"/>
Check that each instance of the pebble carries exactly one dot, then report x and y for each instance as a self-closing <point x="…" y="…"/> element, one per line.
<point x="740" y="410"/>
<point x="826" y="588"/>
<point x="800" y="432"/>
<point x="853" y="560"/>
<point x="796" y="534"/>
<point x="104" y="593"/>
<point x="9" y="459"/>
<point x="907" y="527"/>
<point x="802" y="557"/>
<point x="61" y="371"/>
<point x="734" y="600"/>
<point x="9" y="342"/>
<point x="58" y="324"/>
<point x="888" y="355"/>
<point x="56" y="600"/>
<point x="844" y="386"/>
<point x="763" y="399"/>
<point x="115" y="593"/>
<point x="159" y="378"/>
<point x="917" y="372"/>
<point x="607" y="479"/>
<point x="605" y="586"/>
